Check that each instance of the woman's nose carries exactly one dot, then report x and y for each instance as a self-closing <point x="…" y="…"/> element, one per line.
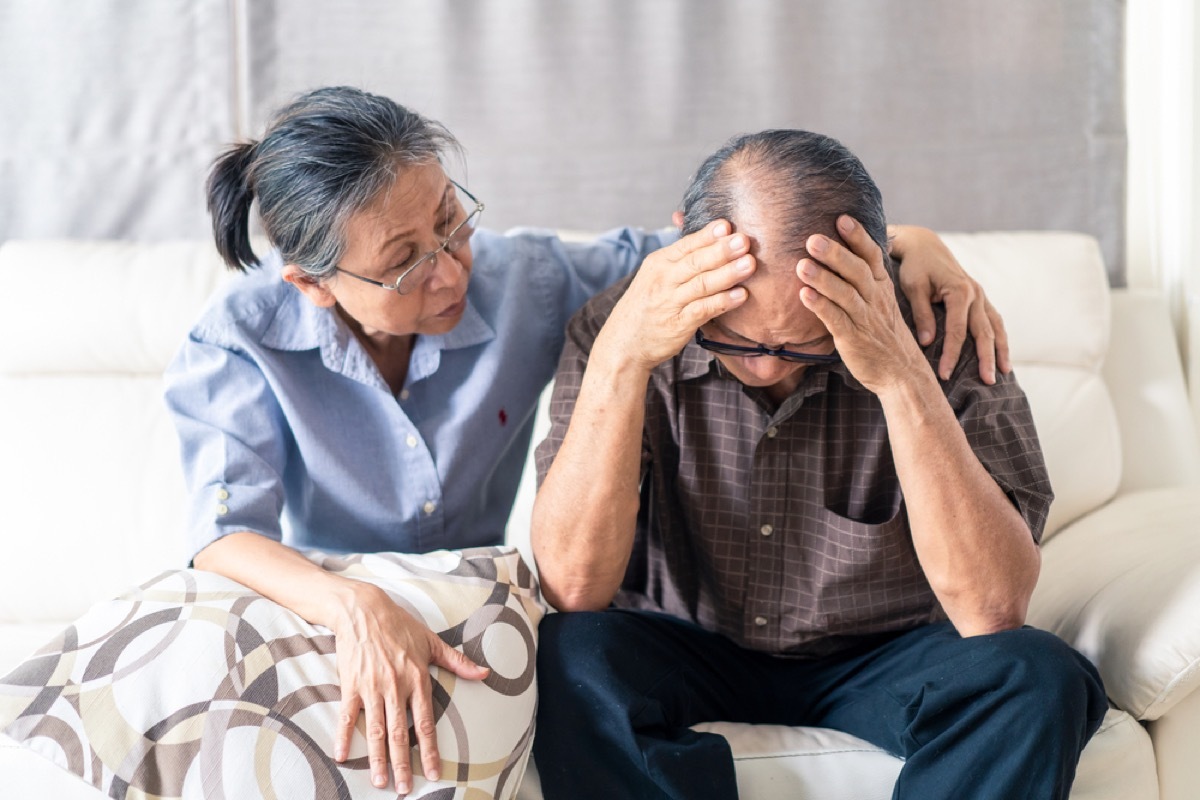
<point x="448" y="268"/>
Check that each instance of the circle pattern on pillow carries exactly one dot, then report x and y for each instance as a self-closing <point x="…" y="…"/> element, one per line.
<point x="194" y="686"/>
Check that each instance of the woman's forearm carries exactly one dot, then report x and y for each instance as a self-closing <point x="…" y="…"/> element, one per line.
<point x="280" y="573"/>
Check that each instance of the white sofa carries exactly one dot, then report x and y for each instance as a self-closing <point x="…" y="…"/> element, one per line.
<point x="91" y="493"/>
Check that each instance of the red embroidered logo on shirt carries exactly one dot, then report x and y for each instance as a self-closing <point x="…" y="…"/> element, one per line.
<point x="503" y="417"/>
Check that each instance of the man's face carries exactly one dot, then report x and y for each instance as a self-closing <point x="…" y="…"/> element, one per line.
<point x="772" y="315"/>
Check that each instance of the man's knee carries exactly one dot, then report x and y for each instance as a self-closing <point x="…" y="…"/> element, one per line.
<point x="577" y="649"/>
<point x="567" y="637"/>
<point x="1044" y="671"/>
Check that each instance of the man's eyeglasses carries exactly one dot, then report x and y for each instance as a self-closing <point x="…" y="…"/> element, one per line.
<point x="724" y="348"/>
<point x="416" y="272"/>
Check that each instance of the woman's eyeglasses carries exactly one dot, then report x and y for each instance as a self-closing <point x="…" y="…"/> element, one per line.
<point x="415" y="273"/>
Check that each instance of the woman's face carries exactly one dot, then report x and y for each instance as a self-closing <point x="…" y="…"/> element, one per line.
<point x="411" y="218"/>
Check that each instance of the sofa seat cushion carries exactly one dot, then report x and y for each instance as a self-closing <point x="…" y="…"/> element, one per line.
<point x="1122" y="586"/>
<point x="27" y="775"/>
<point x="780" y="763"/>
<point x="774" y="761"/>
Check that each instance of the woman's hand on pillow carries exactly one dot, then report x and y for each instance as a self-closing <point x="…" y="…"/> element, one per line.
<point x="383" y="660"/>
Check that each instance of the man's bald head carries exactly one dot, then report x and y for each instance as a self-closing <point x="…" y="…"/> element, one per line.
<point x="792" y="183"/>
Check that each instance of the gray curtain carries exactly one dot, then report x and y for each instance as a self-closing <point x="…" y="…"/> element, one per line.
<point x="971" y="114"/>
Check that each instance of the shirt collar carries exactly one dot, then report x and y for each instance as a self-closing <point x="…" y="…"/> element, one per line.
<point x="471" y="330"/>
<point x="695" y="361"/>
<point x="300" y="325"/>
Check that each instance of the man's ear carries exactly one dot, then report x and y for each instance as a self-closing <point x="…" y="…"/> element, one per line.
<point x="315" y="290"/>
<point x="677" y="218"/>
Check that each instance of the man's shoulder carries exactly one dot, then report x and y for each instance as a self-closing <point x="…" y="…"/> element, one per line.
<point x="595" y="312"/>
<point x="966" y="369"/>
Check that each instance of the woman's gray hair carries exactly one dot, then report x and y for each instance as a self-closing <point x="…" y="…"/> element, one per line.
<point x="324" y="157"/>
<point x="810" y="180"/>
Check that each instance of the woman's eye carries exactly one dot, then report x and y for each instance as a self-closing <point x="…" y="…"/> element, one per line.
<point x="403" y="263"/>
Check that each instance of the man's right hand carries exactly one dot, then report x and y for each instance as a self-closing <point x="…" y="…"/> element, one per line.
<point x="678" y="289"/>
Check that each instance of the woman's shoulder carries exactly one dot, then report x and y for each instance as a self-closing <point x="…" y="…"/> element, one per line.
<point x="246" y="305"/>
<point x="554" y="258"/>
<point x="512" y="265"/>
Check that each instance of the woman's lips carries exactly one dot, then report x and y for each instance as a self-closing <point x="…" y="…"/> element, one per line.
<point x="454" y="310"/>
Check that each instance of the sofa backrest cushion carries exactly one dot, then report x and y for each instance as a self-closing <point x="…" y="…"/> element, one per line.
<point x="89" y="475"/>
<point x="89" y="460"/>
<point x="1052" y="290"/>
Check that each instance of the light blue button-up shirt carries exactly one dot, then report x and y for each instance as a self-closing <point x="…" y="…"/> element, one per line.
<point x="288" y="429"/>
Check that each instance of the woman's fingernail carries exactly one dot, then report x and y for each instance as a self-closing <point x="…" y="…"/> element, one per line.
<point x="743" y="264"/>
<point x="924" y="337"/>
<point x="818" y="244"/>
<point x="808" y="269"/>
<point x="736" y="243"/>
<point x="380" y="781"/>
<point x="845" y="224"/>
<point x="434" y="775"/>
<point x="721" y="228"/>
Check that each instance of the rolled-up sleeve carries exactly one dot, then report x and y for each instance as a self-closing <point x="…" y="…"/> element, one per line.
<point x="233" y="442"/>
<point x="581" y="335"/>
<point x="999" y="427"/>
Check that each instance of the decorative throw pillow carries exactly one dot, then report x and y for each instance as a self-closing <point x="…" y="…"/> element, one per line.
<point x="194" y="686"/>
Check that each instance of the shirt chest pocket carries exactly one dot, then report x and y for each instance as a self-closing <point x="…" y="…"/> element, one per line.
<point x="866" y="576"/>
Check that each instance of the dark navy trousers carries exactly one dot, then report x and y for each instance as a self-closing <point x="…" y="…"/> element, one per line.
<point x="997" y="717"/>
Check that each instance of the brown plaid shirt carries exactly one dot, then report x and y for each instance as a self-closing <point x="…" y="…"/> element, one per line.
<point x="785" y="528"/>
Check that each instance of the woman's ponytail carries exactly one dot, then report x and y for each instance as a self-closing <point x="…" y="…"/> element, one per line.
<point x="229" y="198"/>
<point x="322" y="159"/>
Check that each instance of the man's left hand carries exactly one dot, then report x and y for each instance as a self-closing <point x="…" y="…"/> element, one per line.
<point x="853" y="296"/>
<point x="859" y="264"/>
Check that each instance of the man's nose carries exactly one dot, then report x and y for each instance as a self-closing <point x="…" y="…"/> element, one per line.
<point x="769" y="369"/>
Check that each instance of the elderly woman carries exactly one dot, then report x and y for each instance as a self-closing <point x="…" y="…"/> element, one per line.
<point x="371" y="384"/>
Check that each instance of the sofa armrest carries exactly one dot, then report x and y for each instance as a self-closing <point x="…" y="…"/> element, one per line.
<point x="1122" y="585"/>
<point x="1159" y="442"/>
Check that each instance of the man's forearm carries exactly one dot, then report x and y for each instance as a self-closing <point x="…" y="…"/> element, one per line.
<point x="974" y="546"/>
<point x="585" y="514"/>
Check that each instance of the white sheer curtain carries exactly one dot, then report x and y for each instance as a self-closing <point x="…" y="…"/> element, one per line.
<point x="1163" y="240"/>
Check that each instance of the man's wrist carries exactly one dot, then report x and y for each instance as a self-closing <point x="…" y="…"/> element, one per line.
<point x="617" y="360"/>
<point x="912" y="395"/>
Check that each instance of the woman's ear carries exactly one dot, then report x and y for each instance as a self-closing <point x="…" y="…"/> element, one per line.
<point x="315" y="290"/>
<point x="677" y="218"/>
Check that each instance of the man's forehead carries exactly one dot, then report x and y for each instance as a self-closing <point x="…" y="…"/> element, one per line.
<point x="773" y="312"/>
<point x="771" y="241"/>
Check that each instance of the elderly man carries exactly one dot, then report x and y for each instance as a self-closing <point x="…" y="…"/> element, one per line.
<point x="761" y="505"/>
